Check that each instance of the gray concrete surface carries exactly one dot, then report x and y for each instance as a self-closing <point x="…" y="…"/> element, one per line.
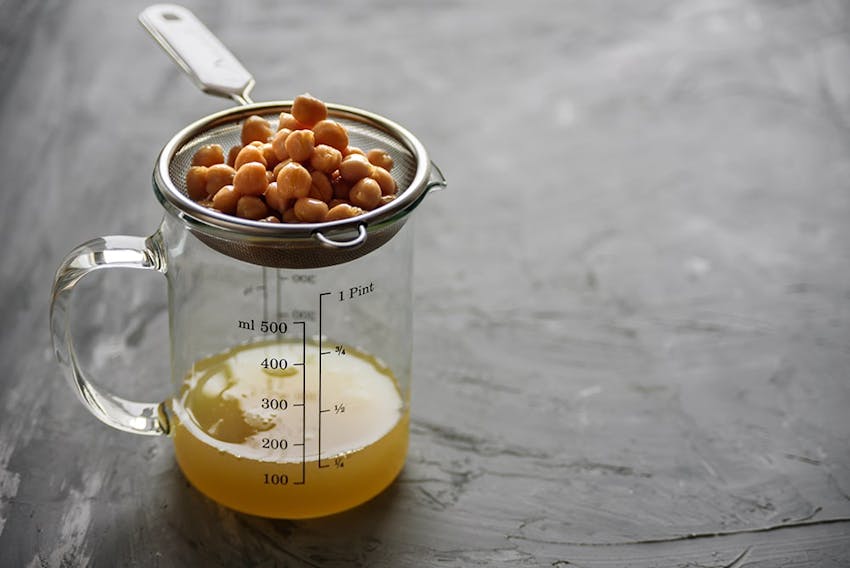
<point x="632" y="304"/>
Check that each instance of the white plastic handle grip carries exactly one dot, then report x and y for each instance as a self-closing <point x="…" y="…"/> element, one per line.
<point x="197" y="51"/>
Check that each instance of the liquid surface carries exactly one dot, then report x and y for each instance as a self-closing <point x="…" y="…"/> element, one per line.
<point x="251" y="434"/>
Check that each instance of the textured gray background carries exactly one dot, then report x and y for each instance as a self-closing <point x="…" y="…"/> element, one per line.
<point x="633" y="334"/>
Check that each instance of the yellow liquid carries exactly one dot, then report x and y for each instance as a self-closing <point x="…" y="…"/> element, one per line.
<point x="239" y="426"/>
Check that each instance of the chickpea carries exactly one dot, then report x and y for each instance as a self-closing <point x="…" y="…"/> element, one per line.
<point x="294" y="180"/>
<point x="208" y="155"/>
<point x="251" y="207"/>
<point x="275" y="198"/>
<point x="196" y="182"/>
<point x="299" y="145"/>
<point x="366" y="194"/>
<point x="225" y="200"/>
<point x="278" y="167"/>
<point x="251" y="179"/>
<point x="331" y="133"/>
<point x="218" y="176"/>
<point x="256" y="128"/>
<point x="231" y="155"/>
<point x="353" y="150"/>
<point x="279" y="144"/>
<point x="249" y="154"/>
<point x="286" y="120"/>
<point x="288" y="216"/>
<point x="270" y="219"/>
<point x="269" y="155"/>
<point x="354" y="167"/>
<point x="310" y="210"/>
<point x="308" y="110"/>
<point x="325" y="158"/>
<point x="342" y="211"/>
<point x="206" y="203"/>
<point x="341" y="187"/>
<point x="387" y="199"/>
<point x="321" y="187"/>
<point x="385" y="180"/>
<point x="380" y="158"/>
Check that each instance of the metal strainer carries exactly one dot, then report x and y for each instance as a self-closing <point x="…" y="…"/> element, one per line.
<point x="278" y="245"/>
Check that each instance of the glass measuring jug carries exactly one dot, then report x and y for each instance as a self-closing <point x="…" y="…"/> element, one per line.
<point x="290" y="344"/>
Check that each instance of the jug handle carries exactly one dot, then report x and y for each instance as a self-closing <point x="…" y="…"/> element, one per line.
<point x="105" y="252"/>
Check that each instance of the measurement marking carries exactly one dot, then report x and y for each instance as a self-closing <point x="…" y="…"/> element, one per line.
<point x="265" y="293"/>
<point x="303" y="402"/>
<point x="277" y="294"/>
<point x="321" y="352"/>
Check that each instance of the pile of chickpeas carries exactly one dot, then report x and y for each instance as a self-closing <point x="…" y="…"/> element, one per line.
<point x="305" y="172"/>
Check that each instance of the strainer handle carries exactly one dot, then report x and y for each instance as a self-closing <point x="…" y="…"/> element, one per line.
<point x="195" y="49"/>
<point x="104" y="252"/>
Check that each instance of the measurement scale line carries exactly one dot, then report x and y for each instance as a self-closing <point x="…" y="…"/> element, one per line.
<point x="277" y="293"/>
<point x="303" y="402"/>
<point x="265" y="293"/>
<point x="321" y="338"/>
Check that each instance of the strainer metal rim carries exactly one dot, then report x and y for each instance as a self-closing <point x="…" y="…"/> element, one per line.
<point x="244" y="229"/>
